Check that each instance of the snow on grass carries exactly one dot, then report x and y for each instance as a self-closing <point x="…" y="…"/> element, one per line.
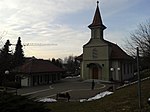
<point x="47" y="100"/>
<point x="98" y="96"/>
<point x="71" y="77"/>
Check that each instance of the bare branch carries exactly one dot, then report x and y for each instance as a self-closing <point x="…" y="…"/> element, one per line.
<point x="140" y="38"/>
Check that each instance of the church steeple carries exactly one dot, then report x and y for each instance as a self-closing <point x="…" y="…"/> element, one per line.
<point x="97" y="26"/>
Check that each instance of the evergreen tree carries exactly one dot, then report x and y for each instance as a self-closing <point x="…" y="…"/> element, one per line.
<point x="5" y="59"/>
<point x="57" y="62"/>
<point x="18" y="55"/>
<point x="53" y="60"/>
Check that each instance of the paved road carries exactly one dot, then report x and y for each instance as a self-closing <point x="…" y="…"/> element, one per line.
<point x="76" y="88"/>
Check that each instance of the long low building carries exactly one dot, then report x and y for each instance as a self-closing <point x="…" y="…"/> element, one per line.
<point x="37" y="72"/>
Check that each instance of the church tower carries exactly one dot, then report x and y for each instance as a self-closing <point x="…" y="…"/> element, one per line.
<point x="95" y="52"/>
<point x="97" y="26"/>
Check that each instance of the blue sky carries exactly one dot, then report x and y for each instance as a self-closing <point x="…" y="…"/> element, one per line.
<point x="64" y="22"/>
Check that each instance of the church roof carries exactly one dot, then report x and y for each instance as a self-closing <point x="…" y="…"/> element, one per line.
<point x="116" y="53"/>
<point x="97" y="20"/>
<point x="38" y="66"/>
<point x="80" y="57"/>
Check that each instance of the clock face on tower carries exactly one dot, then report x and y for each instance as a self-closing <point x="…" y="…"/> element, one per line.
<point x="94" y="53"/>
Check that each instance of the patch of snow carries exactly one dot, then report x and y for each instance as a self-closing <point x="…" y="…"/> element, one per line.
<point x="50" y="87"/>
<point x="98" y="96"/>
<point x="71" y="77"/>
<point x="83" y="100"/>
<point x="47" y="100"/>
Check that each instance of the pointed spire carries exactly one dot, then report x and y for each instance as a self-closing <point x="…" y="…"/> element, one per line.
<point x="97" y="3"/>
<point x="97" y="21"/>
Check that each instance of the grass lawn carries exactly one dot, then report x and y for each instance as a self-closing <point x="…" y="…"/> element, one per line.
<point x="123" y="100"/>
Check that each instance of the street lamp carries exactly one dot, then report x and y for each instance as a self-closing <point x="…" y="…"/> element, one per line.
<point x="118" y="69"/>
<point x="6" y="73"/>
<point x="112" y="78"/>
<point x="112" y="69"/>
<point x="148" y="101"/>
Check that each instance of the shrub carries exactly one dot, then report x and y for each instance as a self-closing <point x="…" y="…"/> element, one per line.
<point x="13" y="84"/>
<point x="16" y="103"/>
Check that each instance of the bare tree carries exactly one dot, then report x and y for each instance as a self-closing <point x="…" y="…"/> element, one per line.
<point x="72" y="65"/>
<point x="1" y="36"/>
<point x="140" y="38"/>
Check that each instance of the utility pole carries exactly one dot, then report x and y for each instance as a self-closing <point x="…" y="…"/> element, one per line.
<point x="139" y="81"/>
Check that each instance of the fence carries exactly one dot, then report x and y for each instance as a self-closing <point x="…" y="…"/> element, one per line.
<point x="8" y="90"/>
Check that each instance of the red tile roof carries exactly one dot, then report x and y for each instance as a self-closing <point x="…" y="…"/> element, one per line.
<point x="80" y="57"/>
<point x="38" y="66"/>
<point x="117" y="53"/>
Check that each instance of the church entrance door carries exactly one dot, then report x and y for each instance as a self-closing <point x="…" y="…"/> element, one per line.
<point x="95" y="73"/>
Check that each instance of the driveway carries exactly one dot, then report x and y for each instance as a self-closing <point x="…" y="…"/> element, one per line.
<point x="77" y="89"/>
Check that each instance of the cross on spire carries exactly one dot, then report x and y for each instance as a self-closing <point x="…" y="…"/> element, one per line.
<point x="97" y="3"/>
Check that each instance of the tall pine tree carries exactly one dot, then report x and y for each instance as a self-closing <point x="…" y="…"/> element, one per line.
<point x="5" y="57"/>
<point x="5" y="60"/>
<point x="18" y="54"/>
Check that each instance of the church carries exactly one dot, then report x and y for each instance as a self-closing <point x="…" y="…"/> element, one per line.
<point x="101" y="59"/>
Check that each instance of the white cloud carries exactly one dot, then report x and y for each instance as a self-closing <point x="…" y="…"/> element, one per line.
<point x="36" y="21"/>
<point x="21" y="14"/>
<point x="68" y="42"/>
